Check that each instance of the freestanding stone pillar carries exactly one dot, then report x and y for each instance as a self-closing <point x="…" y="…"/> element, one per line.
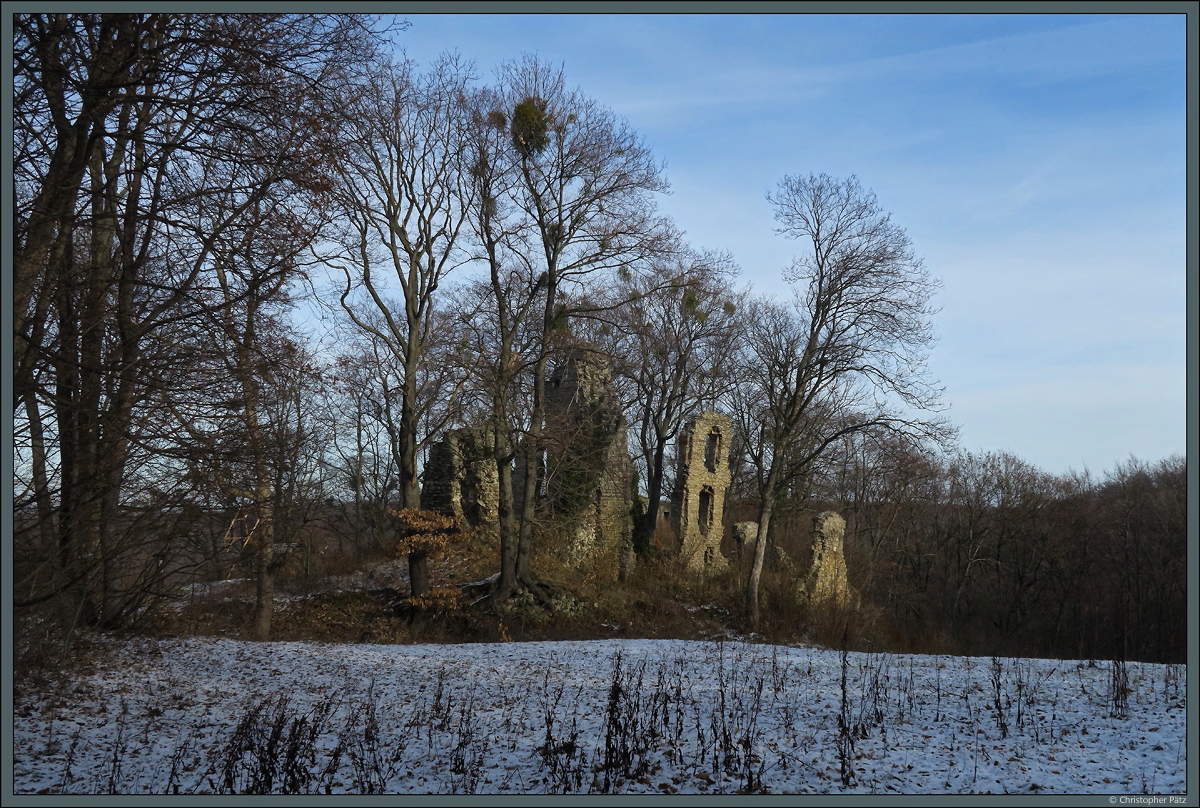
<point x="826" y="583"/>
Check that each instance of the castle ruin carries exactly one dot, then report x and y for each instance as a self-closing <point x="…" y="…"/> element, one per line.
<point x="701" y="479"/>
<point x="587" y="479"/>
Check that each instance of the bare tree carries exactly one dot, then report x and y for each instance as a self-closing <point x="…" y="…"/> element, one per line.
<point x="252" y="276"/>
<point x="847" y="356"/>
<point x="363" y="453"/>
<point x="499" y="309"/>
<point x="404" y="190"/>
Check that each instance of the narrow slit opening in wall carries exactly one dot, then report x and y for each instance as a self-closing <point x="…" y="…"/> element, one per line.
<point x="706" y="509"/>
<point x="711" y="446"/>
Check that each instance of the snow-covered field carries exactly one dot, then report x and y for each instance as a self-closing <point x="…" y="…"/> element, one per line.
<point x="646" y="716"/>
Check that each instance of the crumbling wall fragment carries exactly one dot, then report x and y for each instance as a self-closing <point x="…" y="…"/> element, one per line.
<point x="588" y="471"/>
<point x="745" y="534"/>
<point x="826" y="583"/>
<point x="460" y="477"/>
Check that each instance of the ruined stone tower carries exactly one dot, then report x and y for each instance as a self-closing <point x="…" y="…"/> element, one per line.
<point x="701" y="479"/>
<point x="460" y="478"/>
<point x="588" y="471"/>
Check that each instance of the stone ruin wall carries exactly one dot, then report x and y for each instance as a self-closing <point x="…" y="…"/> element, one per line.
<point x="588" y="471"/>
<point x="701" y="481"/>
<point x="460" y="478"/>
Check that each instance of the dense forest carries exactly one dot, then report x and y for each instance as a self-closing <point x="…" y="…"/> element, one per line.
<point x="188" y="185"/>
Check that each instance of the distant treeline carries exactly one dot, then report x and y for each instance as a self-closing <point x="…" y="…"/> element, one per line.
<point x="986" y="554"/>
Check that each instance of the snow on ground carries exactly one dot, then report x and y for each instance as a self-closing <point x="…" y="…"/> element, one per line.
<point x="200" y="715"/>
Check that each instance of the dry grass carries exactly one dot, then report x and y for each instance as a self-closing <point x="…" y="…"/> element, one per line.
<point x="367" y="601"/>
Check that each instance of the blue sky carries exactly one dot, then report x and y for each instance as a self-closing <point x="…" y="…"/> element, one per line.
<point x="1037" y="162"/>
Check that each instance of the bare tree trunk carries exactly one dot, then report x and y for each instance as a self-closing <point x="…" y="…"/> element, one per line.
<point x="766" y="510"/>
<point x="654" y="494"/>
<point x="114" y="452"/>
<point x="264" y="529"/>
<point x="410" y="489"/>
<point x="418" y="573"/>
<point x="41" y="485"/>
<point x="410" y="484"/>
<point x="264" y="590"/>
<point x="121" y="368"/>
<point x="531" y="457"/>
<point x="504" y="506"/>
<point x="67" y="397"/>
<point x="756" y="568"/>
<point x="533" y="443"/>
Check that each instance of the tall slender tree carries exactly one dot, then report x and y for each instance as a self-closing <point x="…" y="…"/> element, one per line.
<point x="848" y="356"/>
<point x="404" y="191"/>
<point x="501" y="313"/>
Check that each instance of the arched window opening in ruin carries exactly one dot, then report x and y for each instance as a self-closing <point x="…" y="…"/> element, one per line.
<point x="706" y="508"/>
<point x="712" y="446"/>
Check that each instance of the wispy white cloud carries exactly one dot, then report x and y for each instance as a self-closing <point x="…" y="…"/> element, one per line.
<point x="700" y="73"/>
